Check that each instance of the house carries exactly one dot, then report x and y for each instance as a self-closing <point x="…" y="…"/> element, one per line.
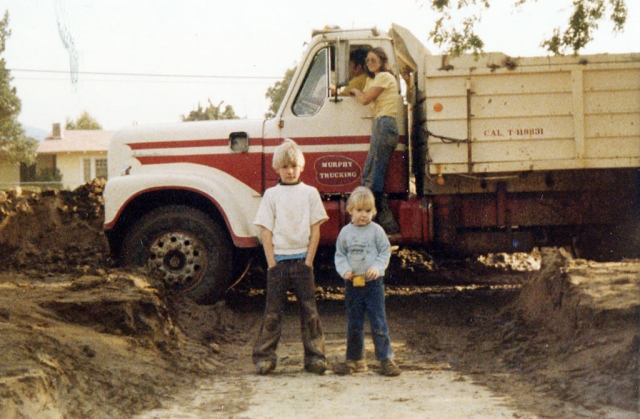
<point x="78" y="155"/>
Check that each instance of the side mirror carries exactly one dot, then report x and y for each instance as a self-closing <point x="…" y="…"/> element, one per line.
<point x="342" y="64"/>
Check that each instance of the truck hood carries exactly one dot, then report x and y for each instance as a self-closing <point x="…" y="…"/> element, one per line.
<point x="146" y="138"/>
<point x="199" y="130"/>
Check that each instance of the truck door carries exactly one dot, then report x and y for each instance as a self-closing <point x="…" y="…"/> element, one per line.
<point x="332" y="132"/>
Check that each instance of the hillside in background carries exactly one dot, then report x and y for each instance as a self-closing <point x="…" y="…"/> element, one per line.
<point x="37" y="133"/>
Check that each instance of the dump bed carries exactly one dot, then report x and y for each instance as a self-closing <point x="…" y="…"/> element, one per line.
<point x="499" y="114"/>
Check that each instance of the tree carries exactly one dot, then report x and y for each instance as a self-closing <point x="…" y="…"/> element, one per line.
<point x="277" y="91"/>
<point x="577" y="33"/>
<point x="84" y="121"/>
<point x="211" y="112"/>
<point x="14" y="144"/>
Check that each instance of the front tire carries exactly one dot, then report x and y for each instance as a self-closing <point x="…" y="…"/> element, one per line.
<point x="184" y="247"/>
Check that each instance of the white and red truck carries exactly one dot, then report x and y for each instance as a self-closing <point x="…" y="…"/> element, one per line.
<point x="496" y="154"/>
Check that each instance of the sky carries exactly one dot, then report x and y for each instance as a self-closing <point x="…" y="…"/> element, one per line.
<point x="150" y="61"/>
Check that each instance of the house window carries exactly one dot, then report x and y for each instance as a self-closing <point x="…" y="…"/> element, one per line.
<point x="94" y="168"/>
<point x="86" y="168"/>
<point x="101" y="168"/>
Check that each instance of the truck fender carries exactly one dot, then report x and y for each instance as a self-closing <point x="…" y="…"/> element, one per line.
<point x="236" y="202"/>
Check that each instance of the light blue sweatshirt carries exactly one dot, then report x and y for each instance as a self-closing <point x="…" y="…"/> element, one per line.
<point x="360" y="247"/>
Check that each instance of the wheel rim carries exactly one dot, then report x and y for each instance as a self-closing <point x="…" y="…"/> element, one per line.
<point x="179" y="258"/>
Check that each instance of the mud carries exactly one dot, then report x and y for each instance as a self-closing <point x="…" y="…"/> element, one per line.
<point x="550" y="335"/>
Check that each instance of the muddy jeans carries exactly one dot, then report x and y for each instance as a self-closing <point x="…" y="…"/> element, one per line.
<point x="297" y="275"/>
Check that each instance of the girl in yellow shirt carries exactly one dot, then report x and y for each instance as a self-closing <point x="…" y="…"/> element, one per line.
<point x="381" y="90"/>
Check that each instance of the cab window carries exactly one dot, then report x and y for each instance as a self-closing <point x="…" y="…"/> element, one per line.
<point x="315" y="87"/>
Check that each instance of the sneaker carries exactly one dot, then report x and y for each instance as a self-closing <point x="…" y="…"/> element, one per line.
<point x="316" y="366"/>
<point x="351" y="366"/>
<point x="390" y="369"/>
<point x="358" y="366"/>
<point x="265" y="367"/>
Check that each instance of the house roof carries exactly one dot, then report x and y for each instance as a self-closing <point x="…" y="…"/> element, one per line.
<point x="73" y="141"/>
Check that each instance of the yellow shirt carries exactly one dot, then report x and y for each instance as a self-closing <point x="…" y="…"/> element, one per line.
<point x="358" y="82"/>
<point x="386" y="104"/>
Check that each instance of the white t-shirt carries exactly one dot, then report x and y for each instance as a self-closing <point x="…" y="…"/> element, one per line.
<point x="289" y="211"/>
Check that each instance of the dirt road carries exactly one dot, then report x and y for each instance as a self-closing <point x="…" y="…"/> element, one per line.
<point x="428" y="387"/>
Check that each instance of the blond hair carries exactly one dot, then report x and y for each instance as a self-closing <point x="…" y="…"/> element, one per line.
<point x="287" y="153"/>
<point x="361" y="197"/>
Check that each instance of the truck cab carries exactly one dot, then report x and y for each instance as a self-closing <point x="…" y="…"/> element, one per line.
<point x="334" y="131"/>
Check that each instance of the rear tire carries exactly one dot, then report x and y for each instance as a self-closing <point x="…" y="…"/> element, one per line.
<point x="184" y="247"/>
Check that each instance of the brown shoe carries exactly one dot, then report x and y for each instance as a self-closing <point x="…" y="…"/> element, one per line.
<point x="390" y="369"/>
<point x="351" y="366"/>
<point x="316" y="366"/>
<point x="358" y="366"/>
<point x="265" y="367"/>
<point x="342" y="369"/>
<point x="387" y="222"/>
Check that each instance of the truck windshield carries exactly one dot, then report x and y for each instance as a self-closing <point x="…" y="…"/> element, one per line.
<point x="315" y="87"/>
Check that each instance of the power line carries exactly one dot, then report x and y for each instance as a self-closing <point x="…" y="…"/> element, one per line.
<point x="153" y="81"/>
<point x="97" y="73"/>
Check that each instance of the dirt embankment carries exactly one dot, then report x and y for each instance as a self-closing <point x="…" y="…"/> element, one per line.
<point x="53" y="231"/>
<point x="575" y="328"/>
<point x="573" y="331"/>
<point x="97" y="346"/>
<point x="81" y="338"/>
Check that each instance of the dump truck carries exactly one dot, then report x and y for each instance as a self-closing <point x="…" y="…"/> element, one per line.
<point x="496" y="154"/>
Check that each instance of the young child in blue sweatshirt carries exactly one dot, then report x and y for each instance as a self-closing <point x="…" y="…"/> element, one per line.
<point x="362" y="255"/>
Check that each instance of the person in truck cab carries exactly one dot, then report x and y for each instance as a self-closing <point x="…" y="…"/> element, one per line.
<point x="357" y="73"/>
<point x="289" y="216"/>
<point x="381" y="90"/>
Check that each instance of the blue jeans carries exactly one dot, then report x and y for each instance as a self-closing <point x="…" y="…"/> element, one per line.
<point x="384" y="139"/>
<point x="369" y="301"/>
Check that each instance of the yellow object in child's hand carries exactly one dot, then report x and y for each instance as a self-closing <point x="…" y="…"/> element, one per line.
<point x="358" y="281"/>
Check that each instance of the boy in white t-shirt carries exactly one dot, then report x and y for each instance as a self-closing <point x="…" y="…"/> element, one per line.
<point x="289" y="216"/>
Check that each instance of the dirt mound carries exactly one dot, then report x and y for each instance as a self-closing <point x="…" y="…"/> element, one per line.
<point x="53" y="231"/>
<point x="98" y="346"/>
<point x="568" y="337"/>
<point x="571" y="330"/>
